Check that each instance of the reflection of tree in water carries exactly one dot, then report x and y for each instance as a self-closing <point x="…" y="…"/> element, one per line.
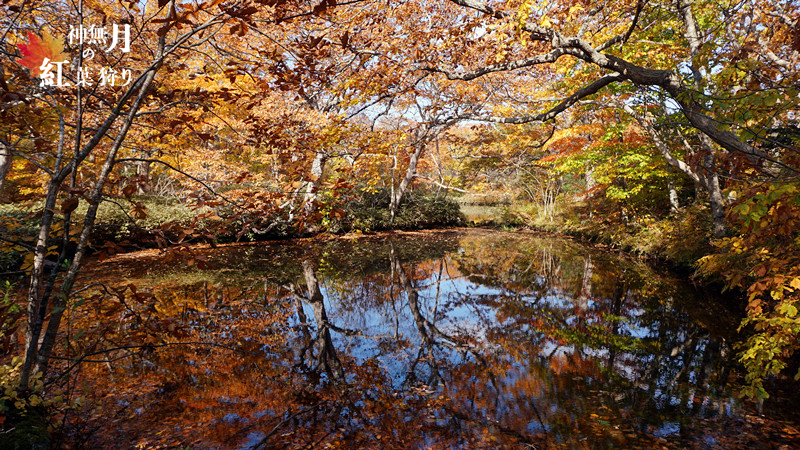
<point x="617" y="337"/>
<point x="581" y="337"/>
<point x="437" y="420"/>
<point x="425" y="328"/>
<point x="461" y="418"/>
<point x="326" y="359"/>
<point x="497" y="341"/>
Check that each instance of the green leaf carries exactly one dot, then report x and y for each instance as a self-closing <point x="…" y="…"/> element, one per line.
<point x="771" y="99"/>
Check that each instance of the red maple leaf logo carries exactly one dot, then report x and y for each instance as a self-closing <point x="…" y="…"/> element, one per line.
<point x="37" y="50"/>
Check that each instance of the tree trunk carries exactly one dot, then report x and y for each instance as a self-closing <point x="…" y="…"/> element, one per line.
<point x="37" y="355"/>
<point x="411" y="172"/>
<point x="706" y="176"/>
<point x="143" y="171"/>
<point x="40" y="354"/>
<point x="5" y="165"/>
<point x="693" y="37"/>
<point x="674" y="204"/>
<point x="312" y="187"/>
<point x="35" y="303"/>
<point x="590" y="182"/>
<point x="717" y="205"/>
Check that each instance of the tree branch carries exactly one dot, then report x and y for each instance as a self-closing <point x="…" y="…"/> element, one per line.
<point x="668" y="80"/>
<point x="581" y="93"/>
<point x="503" y="67"/>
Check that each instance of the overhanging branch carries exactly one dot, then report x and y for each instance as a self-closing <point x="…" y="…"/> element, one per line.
<point x="667" y="80"/>
<point x="581" y="93"/>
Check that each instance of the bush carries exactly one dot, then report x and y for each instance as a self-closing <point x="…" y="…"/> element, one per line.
<point x="761" y="255"/>
<point x="120" y="216"/>
<point x="369" y="212"/>
<point x="23" y="414"/>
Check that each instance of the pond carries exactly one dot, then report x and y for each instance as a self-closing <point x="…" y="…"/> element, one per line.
<point x="448" y="339"/>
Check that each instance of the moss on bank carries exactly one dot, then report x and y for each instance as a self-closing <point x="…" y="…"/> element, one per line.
<point x="149" y="221"/>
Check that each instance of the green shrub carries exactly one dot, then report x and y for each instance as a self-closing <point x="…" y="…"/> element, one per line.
<point x="369" y="212"/>
<point x="23" y="414"/>
<point x="19" y="223"/>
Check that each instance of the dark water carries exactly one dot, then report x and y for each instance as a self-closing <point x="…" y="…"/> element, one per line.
<point x="471" y="339"/>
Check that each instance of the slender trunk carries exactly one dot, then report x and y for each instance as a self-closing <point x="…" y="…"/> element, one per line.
<point x="60" y="303"/>
<point x="38" y="291"/>
<point x="143" y="172"/>
<point x="312" y="187"/>
<point x="705" y="177"/>
<point x="712" y="185"/>
<point x="37" y="277"/>
<point x="717" y="205"/>
<point x="37" y="356"/>
<point x="674" y="204"/>
<point x="5" y="165"/>
<point x="411" y="172"/>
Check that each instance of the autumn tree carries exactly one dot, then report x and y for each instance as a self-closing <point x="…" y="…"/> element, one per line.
<point x="75" y="133"/>
<point x="711" y="87"/>
<point x="630" y="53"/>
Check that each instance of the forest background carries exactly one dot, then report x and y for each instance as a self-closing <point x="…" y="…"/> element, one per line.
<point x="666" y="128"/>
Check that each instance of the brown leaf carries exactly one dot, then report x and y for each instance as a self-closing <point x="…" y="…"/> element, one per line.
<point x="69" y="205"/>
<point x="320" y="8"/>
<point x="128" y="190"/>
<point x="796" y="41"/>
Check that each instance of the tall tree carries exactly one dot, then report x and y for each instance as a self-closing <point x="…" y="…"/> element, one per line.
<point x="80" y="140"/>
<point x="580" y="51"/>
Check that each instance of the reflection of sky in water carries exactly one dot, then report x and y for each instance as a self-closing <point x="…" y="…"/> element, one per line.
<point x="453" y="318"/>
<point x="541" y="347"/>
<point x="462" y="308"/>
<point x="385" y="322"/>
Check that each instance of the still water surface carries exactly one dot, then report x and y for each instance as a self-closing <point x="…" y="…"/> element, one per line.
<point x="457" y="339"/>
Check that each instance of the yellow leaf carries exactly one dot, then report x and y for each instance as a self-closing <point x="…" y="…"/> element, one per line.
<point x="575" y="9"/>
<point x="28" y="262"/>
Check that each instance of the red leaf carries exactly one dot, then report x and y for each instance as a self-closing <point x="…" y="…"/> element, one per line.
<point x="38" y="50"/>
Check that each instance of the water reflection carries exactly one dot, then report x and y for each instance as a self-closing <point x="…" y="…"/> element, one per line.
<point x="454" y="340"/>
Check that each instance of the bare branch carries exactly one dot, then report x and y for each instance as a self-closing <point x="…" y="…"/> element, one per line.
<point x="581" y="93"/>
<point x="503" y="67"/>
